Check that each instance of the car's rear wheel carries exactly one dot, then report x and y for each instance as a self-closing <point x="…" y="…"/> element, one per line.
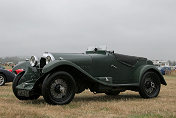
<point x="15" y="90"/>
<point x="2" y="79"/>
<point x="112" y="93"/>
<point x="59" y="88"/>
<point x="150" y="85"/>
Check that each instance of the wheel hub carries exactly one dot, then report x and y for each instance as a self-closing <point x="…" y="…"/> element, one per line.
<point x="149" y="86"/>
<point x="152" y="85"/>
<point x="58" y="88"/>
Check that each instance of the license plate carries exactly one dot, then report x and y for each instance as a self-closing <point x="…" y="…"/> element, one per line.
<point x="23" y="93"/>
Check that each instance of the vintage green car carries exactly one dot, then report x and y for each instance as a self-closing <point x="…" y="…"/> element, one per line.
<point x="58" y="76"/>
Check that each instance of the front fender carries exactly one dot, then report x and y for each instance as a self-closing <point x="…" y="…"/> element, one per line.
<point x="31" y="74"/>
<point x="54" y="64"/>
<point x="57" y="63"/>
<point x="22" y="65"/>
<point x="143" y="69"/>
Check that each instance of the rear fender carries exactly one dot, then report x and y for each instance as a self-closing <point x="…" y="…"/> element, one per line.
<point x="143" y="69"/>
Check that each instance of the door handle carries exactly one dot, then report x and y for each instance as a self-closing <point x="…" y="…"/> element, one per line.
<point x="113" y="66"/>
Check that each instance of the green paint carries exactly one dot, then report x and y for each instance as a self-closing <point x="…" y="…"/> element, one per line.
<point x="102" y="67"/>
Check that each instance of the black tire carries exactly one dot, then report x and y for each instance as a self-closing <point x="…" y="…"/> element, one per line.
<point x="150" y="85"/>
<point x="112" y="93"/>
<point x="59" y="88"/>
<point x="2" y="79"/>
<point x="15" y="91"/>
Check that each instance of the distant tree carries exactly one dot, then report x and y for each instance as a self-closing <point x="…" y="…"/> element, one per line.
<point x="15" y="60"/>
<point x="174" y="63"/>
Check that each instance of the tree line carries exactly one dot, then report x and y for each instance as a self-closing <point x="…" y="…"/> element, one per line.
<point x="15" y="60"/>
<point x="172" y="63"/>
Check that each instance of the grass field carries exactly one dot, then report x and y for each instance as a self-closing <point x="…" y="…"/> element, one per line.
<point x="128" y="104"/>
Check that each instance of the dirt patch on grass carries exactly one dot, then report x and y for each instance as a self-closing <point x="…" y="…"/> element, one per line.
<point x="127" y="104"/>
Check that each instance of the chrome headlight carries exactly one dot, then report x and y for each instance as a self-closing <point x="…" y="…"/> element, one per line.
<point x="49" y="57"/>
<point x="34" y="61"/>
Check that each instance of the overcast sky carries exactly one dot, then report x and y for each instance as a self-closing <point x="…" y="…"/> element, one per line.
<point x="135" y="27"/>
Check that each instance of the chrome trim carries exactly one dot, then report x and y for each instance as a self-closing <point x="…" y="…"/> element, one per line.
<point x="113" y="66"/>
<point x="47" y="54"/>
<point x="33" y="62"/>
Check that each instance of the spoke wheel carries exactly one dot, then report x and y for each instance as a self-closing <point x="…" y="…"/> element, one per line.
<point x="150" y="85"/>
<point x="59" y="88"/>
<point x="2" y="79"/>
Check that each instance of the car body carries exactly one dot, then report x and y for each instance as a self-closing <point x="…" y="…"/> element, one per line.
<point x="164" y="69"/>
<point x="58" y="76"/>
<point x="16" y="72"/>
<point x="5" y="76"/>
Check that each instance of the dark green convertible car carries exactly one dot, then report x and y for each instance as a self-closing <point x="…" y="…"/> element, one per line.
<point x="59" y="76"/>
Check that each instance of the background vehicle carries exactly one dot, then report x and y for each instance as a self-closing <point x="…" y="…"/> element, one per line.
<point x="2" y="67"/>
<point x="59" y="76"/>
<point x="16" y="72"/>
<point x="5" y="76"/>
<point x="164" y="69"/>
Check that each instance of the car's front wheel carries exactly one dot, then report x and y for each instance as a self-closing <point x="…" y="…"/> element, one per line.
<point x="15" y="90"/>
<point x="59" y="88"/>
<point x="150" y="85"/>
<point x="2" y="79"/>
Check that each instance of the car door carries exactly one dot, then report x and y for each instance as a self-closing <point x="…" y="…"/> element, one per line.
<point x="121" y="72"/>
<point x="106" y="68"/>
<point x="100" y="67"/>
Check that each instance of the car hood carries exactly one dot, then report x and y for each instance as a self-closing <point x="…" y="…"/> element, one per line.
<point x="77" y="58"/>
